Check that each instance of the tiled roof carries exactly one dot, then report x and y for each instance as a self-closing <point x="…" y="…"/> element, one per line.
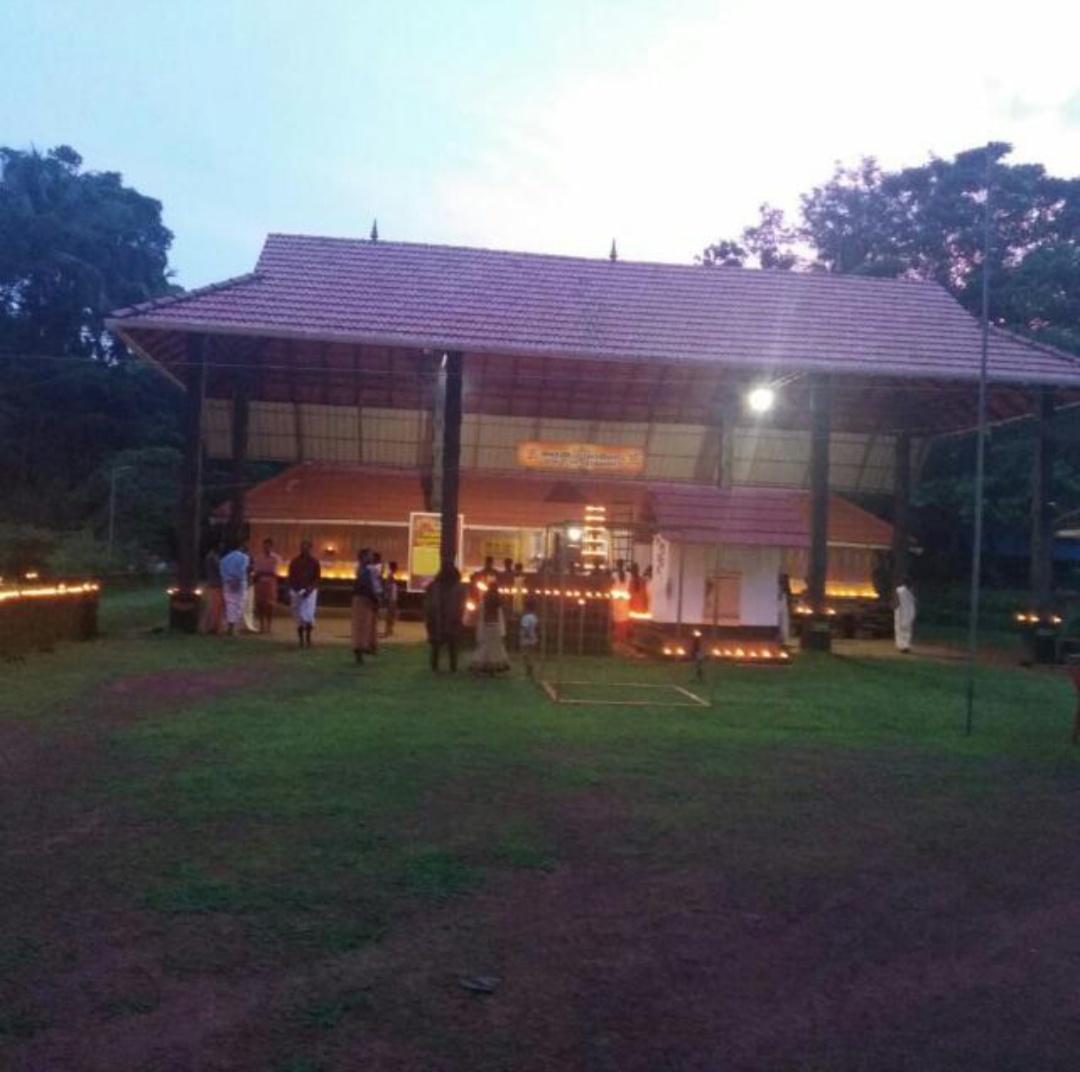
<point x="776" y="517"/>
<point x="393" y="293"/>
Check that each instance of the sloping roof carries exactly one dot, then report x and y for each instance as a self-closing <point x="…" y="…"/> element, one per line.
<point x="486" y="301"/>
<point x="775" y="517"/>
<point x="312" y="492"/>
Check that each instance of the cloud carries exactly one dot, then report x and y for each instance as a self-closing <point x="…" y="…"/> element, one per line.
<point x="675" y="144"/>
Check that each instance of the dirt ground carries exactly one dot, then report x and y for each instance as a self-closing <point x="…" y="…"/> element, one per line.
<point x="617" y="959"/>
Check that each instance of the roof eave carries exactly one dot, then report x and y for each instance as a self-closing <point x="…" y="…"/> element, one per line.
<point x="124" y="325"/>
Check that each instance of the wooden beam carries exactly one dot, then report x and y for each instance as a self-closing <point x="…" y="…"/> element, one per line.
<point x="451" y="456"/>
<point x="901" y="542"/>
<point x="241" y="413"/>
<point x="190" y="521"/>
<point x="816" y="632"/>
<point x="1042" y="496"/>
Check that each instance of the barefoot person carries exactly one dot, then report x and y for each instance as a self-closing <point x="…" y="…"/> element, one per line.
<point x="490" y="655"/>
<point x="904" y="616"/>
<point x="365" y="608"/>
<point x="529" y="635"/>
<point x="215" y="602"/>
<point x="234" y="583"/>
<point x="444" y="610"/>
<point x="266" y="568"/>
<point x="304" y="577"/>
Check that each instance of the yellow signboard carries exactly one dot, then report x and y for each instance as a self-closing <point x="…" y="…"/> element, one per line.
<point x="581" y="458"/>
<point x="425" y="540"/>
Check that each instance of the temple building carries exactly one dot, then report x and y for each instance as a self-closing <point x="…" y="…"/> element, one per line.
<point x="711" y="424"/>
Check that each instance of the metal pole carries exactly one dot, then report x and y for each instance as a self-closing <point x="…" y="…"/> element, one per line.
<point x="980" y="462"/>
<point x="112" y="509"/>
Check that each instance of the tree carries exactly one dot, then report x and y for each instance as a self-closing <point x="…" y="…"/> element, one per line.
<point x="770" y="243"/>
<point x="74" y="245"/>
<point x="927" y="222"/>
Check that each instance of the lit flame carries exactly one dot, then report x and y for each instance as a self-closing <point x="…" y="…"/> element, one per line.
<point x="50" y="591"/>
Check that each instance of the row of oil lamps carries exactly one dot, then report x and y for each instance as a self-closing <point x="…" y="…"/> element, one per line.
<point x="1031" y="618"/>
<point x="52" y="591"/>
<point x="754" y="654"/>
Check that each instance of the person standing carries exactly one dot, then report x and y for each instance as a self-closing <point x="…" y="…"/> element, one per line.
<point x="304" y="576"/>
<point x="215" y="601"/>
<point x="391" y="592"/>
<point x="529" y="635"/>
<point x="234" y="583"/>
<point x="783" y="609"/>
<point x="490" y="655"/>
<point x="444" y="607"/>
<point x="266" y="568"/>
<point x="620" y="604"/>
<point x="364" y="610"/>
<point x="904" y="616"/>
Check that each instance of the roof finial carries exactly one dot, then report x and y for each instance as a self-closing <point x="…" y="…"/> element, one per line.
<point x="614" y="254"/>
<point x="374" y="236"/>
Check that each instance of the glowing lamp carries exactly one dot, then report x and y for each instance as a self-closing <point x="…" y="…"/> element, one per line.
<point x="574" y="534"/>
<point x="761" y="399"/>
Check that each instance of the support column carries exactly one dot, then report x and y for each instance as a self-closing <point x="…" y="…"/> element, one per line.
<point x="725" y="471"/>
<point x="184" y="609"/>
<point x="1041" y="639"/>
<point x="448" y="471"/>
<point x="817" y="634"/>
<point x="901" y="543"/>
<point x="241" y="409"/>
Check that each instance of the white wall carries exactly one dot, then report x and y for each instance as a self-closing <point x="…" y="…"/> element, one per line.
<point x="758" y="567"/>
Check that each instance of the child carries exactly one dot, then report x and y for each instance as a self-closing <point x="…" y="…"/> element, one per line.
<point x="529" y="635"/>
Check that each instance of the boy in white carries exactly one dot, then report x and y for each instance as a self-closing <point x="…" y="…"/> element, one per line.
<point x="904" y="616"/>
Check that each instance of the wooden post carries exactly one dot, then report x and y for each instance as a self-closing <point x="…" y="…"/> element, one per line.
<point x="448" y="475"/>
<point x="901" y="510"/>
<point x="725" y="468"/>
<point x="817" y="633"/>
<point x="1042" y="495"/>
<point x="241" y="409"/>
<point x="184" y="608"/>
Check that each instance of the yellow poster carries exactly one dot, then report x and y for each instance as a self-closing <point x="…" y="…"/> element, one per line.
<point x="425" y="542"/>
<point x="580" y="458"/>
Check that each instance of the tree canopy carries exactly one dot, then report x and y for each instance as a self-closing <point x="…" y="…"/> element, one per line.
<point x="74" y="245"/>
<point x="926" y="222"/>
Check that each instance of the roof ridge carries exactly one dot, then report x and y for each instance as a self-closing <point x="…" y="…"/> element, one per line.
<point x="179" y="299"/>
<point x="621" y="264"/>
<point x="1034" y="344"/>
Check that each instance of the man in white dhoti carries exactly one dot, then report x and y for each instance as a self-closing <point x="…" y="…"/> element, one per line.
<point x="783" y="609"/>
<point x="304" y="576"/>
<point x="904" y="616"/>
<point x="234" y="583"/>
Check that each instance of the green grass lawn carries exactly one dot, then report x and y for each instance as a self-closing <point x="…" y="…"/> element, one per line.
<point x="818" y="871"/>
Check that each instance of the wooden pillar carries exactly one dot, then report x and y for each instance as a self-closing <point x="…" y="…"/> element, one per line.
<point x="241" y="409"/>
<point x="448" y="471"/>
<point x="1042" y="495"/>
<point x="901" y="542"/>
<point x="189" y="521"/>
<point x="725" y="470"/>
<point x="438" y="436"/>
<point x="816" y="633"/>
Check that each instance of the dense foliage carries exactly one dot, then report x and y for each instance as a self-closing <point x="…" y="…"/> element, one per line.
<point x="75" y="245"/>
<point x="927" y="222"/>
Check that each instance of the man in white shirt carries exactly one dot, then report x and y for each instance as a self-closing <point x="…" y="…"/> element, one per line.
<point x="234" y="582"/>
<point x="904" y="616"/>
